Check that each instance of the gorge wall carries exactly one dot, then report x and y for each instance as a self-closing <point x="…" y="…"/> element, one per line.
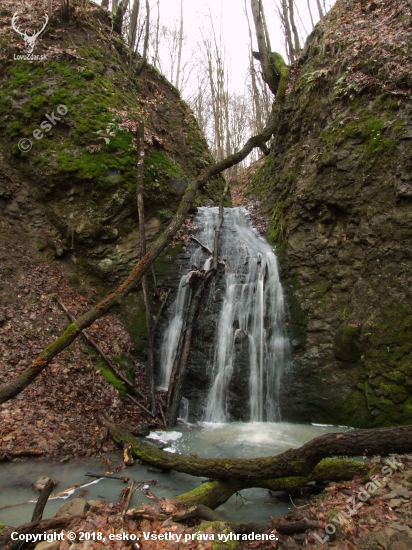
<point x="338" y="188"/>
<point x="70" y="199"/>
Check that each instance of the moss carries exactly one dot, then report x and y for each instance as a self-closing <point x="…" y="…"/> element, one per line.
<point x="111" y="378"/>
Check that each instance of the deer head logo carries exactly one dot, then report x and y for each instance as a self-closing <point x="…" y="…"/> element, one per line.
<point x="29" y="39"/>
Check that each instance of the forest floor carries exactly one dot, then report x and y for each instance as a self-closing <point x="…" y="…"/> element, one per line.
<point x="358" y="515"/>
<point x="56" y="416"/>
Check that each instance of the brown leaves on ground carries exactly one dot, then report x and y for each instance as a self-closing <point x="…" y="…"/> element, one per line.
<point x="56" y="415"/>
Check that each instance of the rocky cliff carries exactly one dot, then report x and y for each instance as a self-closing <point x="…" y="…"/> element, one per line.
<point x="339" y="188"/>
<point x="69" y="224"/>
<point x="68" y="149"/>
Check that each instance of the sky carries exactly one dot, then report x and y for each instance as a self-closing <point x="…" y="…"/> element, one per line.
<point x="228" y="15"/>
<point x="231" y="16"/>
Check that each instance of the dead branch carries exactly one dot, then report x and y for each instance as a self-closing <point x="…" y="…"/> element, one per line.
<point x="42" y="500"/>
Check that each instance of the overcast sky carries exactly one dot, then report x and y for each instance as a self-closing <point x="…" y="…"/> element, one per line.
<point x="230" y="16"/>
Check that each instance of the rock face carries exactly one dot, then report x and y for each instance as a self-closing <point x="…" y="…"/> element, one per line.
<point x="74" y="191"/>
<point x="339" y="186"/>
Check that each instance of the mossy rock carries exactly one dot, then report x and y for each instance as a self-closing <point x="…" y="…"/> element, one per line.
<point x="345" y="346"/>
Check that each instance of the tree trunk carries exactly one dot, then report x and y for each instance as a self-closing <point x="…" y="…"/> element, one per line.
<point x="294" y="29"/>
<point x="10" y="390"/>
<point x="143" y="61"/>
<point x="179" y="53"/>
<point x="319" y="8"/>
<point x="294" y="462"/>
<point x="145" y="286"/>
<point x="42" y="500"/>
<point x="288" y="32"/>
<point x="119" y="15"/>
<point x="134" y="17"/>
<point x="105" y="4"/>
<point x="178" y="373"/>
<point x="310" y="14"/>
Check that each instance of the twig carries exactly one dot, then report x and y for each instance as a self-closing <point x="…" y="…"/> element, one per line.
<point x="110" y="362"/>
<point x="304" y="506"/>
<point x="42" y="500"/>
<point x="129" y="497"/>
<point x="143" y="408"/>
<point x="202" y="245"/>
<point x="155" y="282"/>
<point x="125" y="479"/>
<point x="158" y="316"/>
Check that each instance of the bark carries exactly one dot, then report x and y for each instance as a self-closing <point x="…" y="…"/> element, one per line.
<point x="108" y="360"/>
<point x="179" y="53"/>
<point x="156" y="52"/>
<point x="294" y="29"/>
<point x="292" y="463"/>
<point x="35" y="527"/>
<point x="119" y="15"/>
<point x="42" y="500"/>
<point x="264" y="51"/>
<point x="134" y="16"/>
<point x="10" y="390"/>
<point x="50" y="8"/>
<point x="285" y="527"/>
<point x="142" y="407"/>
<point x="143" y="61"/>
<point x="319" y="8"/>
<point x="145" y="286"/>
<point x="255" y="90"/>
<point x="105" y="4"/>
<point x="179" y="370"/>
<point x="288" y="31"/>
<point x="162" y="307"/>
<point x="310" y="14"/>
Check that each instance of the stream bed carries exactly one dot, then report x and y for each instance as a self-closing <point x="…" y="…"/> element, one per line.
<point x="208" y="440"/>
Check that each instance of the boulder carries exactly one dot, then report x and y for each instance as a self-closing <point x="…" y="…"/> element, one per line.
<point x="74" y="507"/>
<point x="38" y="485"/>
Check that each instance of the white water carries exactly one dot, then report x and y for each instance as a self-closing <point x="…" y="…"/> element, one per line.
<point x="245" y="440"/>
<point x="253" y="303"/>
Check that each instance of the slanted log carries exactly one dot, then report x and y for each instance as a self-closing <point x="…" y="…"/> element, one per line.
<point x="13" y="388"/>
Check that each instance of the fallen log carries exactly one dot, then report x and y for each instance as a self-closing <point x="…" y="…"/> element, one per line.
<point x="285" y="527"/>
<point x="36" y="527"/>
<point x="42" y="500"/>
<point x="26" y="377"/>
<point x="294" y="462"/>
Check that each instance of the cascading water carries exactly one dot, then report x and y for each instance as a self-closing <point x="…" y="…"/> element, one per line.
<point x="252" y="311"/>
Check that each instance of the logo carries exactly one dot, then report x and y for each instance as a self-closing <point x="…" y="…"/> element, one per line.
<point x="29" y="39"/>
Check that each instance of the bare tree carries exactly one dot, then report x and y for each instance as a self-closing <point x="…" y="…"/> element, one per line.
<point x="179" y="54"/>
<point x="319" y="8"/>
<point x="294" y="28"/>
<point x="310" y="14"/>
<point x="134" y="16"/>
<point x="143" y="60"/>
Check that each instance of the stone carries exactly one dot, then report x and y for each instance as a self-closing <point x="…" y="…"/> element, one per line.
<point x="395" y="503"/>
<point x="45" y="545"/>
<point x="74" y="507"/>
<point x="401" y="491"/>
<point x="38" y="485"/>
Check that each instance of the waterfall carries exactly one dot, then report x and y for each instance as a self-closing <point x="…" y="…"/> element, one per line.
<point x="252" y="311"/>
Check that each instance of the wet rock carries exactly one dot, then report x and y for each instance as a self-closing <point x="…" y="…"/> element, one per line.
<point x="44" y="545"/>
<point x="38" y="485"/>
<point x="77" y="506"/>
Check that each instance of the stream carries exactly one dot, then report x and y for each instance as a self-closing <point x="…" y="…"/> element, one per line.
<point x="231" y="406"/>
<point x="243" y="440"/>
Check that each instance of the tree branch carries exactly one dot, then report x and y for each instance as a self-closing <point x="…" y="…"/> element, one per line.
<point x="10" y="390"/>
